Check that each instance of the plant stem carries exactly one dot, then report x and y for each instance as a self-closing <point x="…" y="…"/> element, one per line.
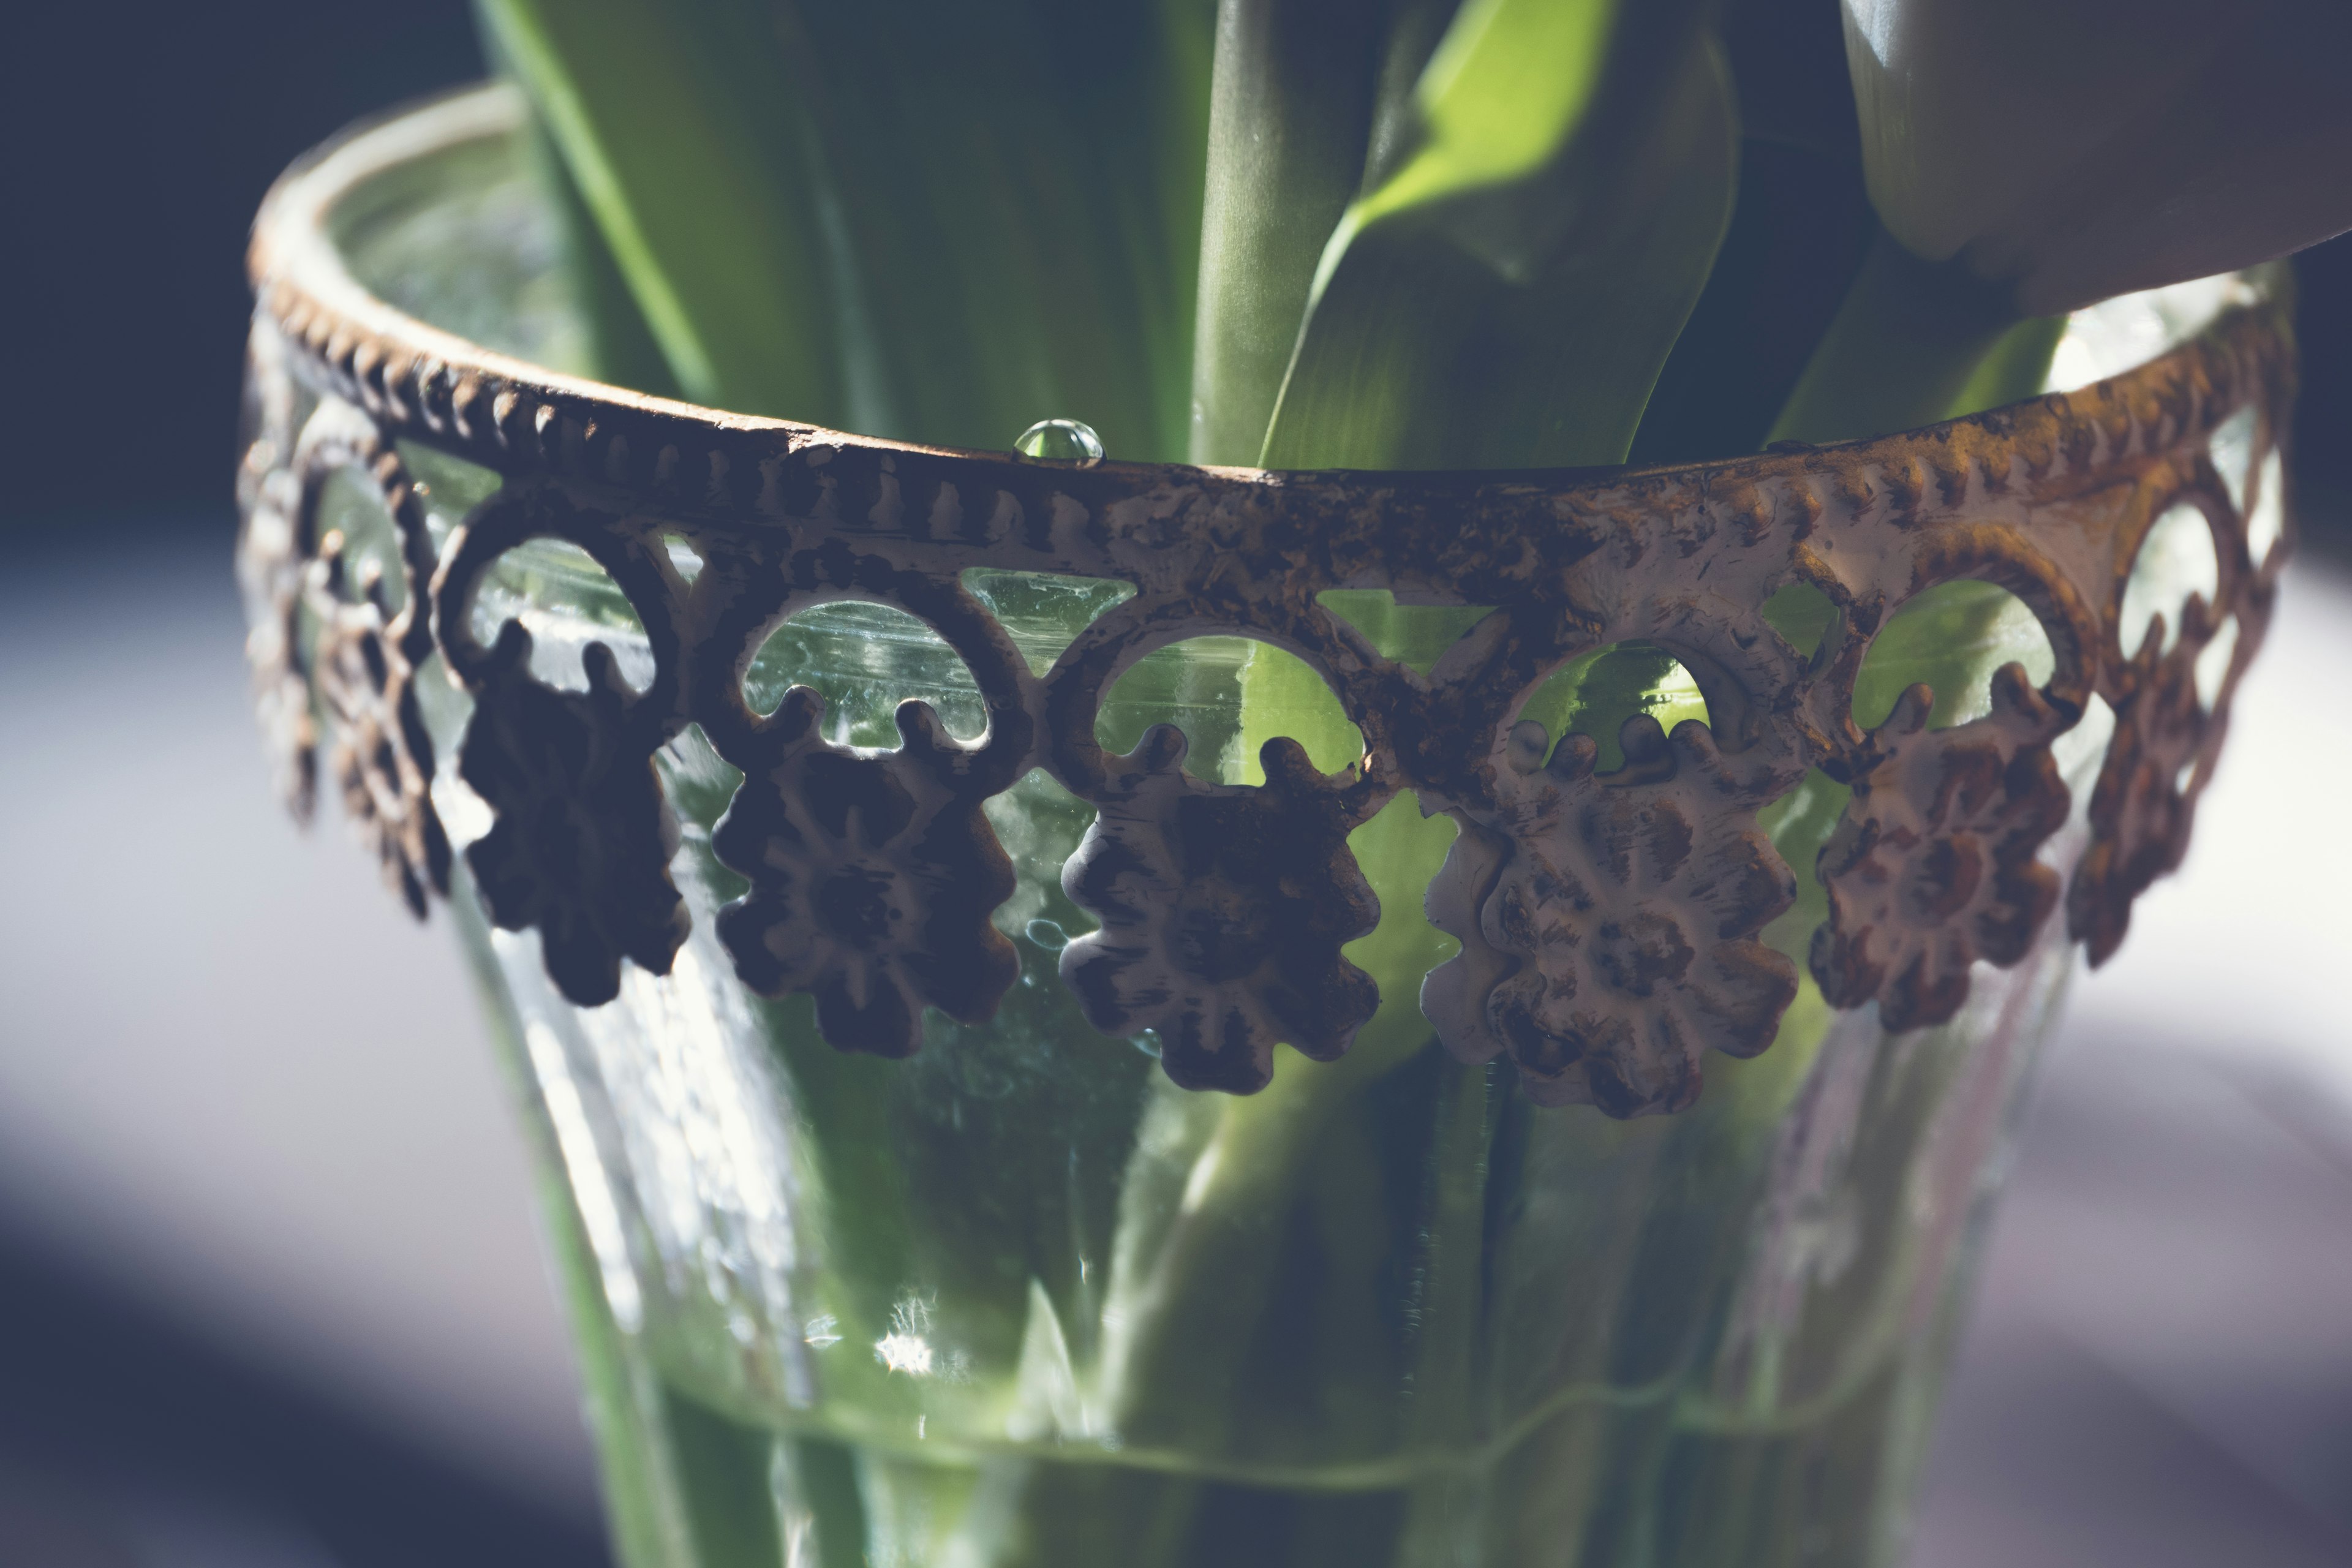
<point x="1914" y="343"/>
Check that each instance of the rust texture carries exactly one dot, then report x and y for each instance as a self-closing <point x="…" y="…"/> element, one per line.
<point x="1610" y="922"/>
<point x="1933" y="867"/>
<point x="1608" y="932"/>
<point x="1223" y="908"/>
<point x="873" y="875"/>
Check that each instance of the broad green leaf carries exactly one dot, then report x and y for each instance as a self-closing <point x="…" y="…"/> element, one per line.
<point x="1478" y="311"/>
<point x="1290" y="114"/>
<point x="1914" y="343"/>
<point x="1796" y="239"/>
<point x="1507" y="86"/>
<point x="911" y="217"/>
<point x="1798" y="235"/>
<point x="2069" y="150"/>
<point x="697" y="178"/>
<point x="1016" y="193"/>
<point x="2026" y="159"/>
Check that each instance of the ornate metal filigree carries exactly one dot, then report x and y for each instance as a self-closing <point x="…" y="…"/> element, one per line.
<point x="1610" y="921"/>
<point x="1620" y="924"/>
<point x="581" y="839"/>
<point x="1932" y="866"/>
<point x="361" y="662"/>
<point x="272" y="554"/>
<point x="380" y="753"/>
<point x="2163" y="751"/>
<point x="1223" y="910"/>
<point x="873" y="874"/>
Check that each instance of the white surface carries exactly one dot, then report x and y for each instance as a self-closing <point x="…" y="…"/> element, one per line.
<point x="2158" y="1372"/>
<point x="2248" y="951"/>
<point x="234" y="1074"/>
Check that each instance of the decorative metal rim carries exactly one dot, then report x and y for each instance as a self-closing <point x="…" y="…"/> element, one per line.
<point x="1608" y="921"/>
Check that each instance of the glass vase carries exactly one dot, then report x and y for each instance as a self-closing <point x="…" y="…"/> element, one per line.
<point x="1019" y="1298"/>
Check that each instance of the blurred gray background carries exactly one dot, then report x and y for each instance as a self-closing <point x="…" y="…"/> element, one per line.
<point x="270" y="1287"/>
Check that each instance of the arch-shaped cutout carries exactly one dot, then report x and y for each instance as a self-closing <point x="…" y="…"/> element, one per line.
<point x="351" y="507"/>
<point x="865" y="659"/>
<point x="684" y="558"/>
<point x="1040" y="824"/>
<point x="1803" y="615"/>
<point x="1952" y="637"/>
<point x="1229" y="696"/>
<point x="2213" y="662"/>
<point x="449" y="487"/>
<point x="1416" y="636"/>
<point x="1597" y="692"/>
<point x="565" y="601"/>
<point x="2232" y="452"/>
<point x="1043" y="612"/>
<point x="2176" y="560"/>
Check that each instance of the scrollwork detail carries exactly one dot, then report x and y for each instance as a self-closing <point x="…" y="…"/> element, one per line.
<point x="271" y="559"/>
<point x="1613" y="941"/>
<point x="1611" y="924"/>
<point x="873" y="876"/>
<point x="379" y="752"/>
<point x="1932" y="866"/>
<point x="2144" y="801"/>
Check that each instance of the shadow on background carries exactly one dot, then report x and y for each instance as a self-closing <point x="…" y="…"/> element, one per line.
<point x="129" y="1441"/>
<point x="139" y="139"/>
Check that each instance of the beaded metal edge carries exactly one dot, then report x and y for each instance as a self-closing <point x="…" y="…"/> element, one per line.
<point x="1608" y="921"/>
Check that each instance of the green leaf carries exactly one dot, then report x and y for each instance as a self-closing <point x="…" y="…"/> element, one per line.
<point x="1798" y="235"/>
<point x="1290" y="113"/>
<point x="1913" y="344"/>
<point x="1510" y="307"/>
<point x="1507" y="86"/>
<point x="696" y="174"/>
<point x="1017" y="196"/>
<point x="2069" y="153"/>
<point x="917" y="218"/>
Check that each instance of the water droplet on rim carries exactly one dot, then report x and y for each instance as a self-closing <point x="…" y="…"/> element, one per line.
<point x="1061" y="441"/>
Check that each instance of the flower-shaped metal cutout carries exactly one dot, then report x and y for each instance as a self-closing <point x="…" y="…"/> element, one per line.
<point x="1932" y="867"/>
<point x="583" y="839"/>
<point x="2145" y="799"/>
<point x="873" y="877"/>
<point x="1618" y="926"/>
<point x="1223" y="910"/>
<point x="380" y="753"/>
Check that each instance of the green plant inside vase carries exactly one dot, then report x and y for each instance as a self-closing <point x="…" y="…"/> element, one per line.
<point x="1072" y="1314"/>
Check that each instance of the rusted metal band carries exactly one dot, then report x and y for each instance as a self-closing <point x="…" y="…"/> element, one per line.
<point x="1610" y="922"/>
